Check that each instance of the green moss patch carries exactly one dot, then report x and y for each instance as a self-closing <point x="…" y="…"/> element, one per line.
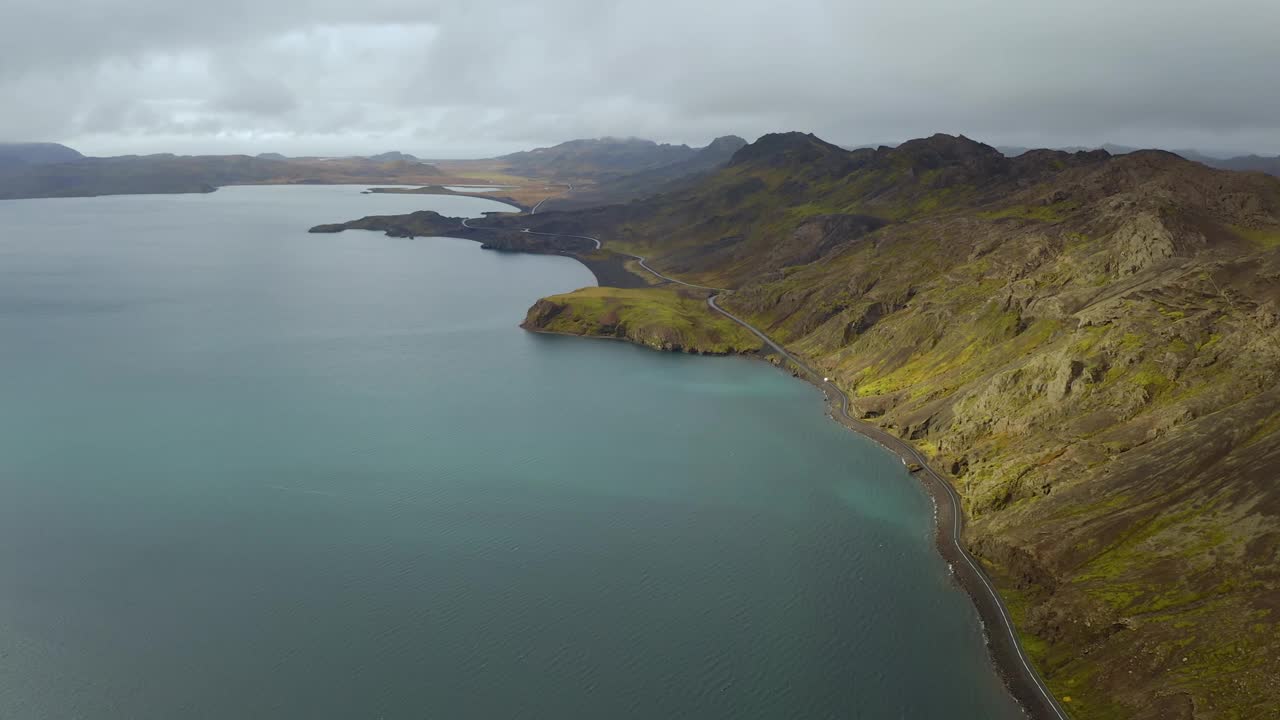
<point x="658" y="317"/>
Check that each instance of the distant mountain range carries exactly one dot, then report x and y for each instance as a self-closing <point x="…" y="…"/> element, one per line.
<point x="1258" y="163"/>
<point x="35" y="170"/>
<point x="394" y="156"/>
<point x="1269" y="165"/>
<point x="602" y="158"/>
<point x="606" y="170"/>
<point x="660" y="174"/>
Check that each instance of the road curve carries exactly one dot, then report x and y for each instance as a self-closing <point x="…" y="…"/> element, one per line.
<point x="534" y="211"/>
<point x="1006" y="644"/>
<point x="580" y="237"/>
<point x="599" y="245"/>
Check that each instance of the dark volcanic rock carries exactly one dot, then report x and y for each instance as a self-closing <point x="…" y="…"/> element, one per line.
<point x="785" y="149"/>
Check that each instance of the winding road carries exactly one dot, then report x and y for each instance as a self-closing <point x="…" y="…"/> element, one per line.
<point x="599" y="245"/>
<point x="534" y="211"/>
<point x="1029" y="688"/>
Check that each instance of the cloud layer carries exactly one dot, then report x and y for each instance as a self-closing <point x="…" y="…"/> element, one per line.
<point x="465" y="78"/>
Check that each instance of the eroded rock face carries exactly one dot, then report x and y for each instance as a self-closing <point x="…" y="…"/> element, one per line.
<point x="1142" y="242"/>
<point x="541" y="314"/>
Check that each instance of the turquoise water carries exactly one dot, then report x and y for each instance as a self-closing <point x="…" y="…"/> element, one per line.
<point x="248" y="472"/>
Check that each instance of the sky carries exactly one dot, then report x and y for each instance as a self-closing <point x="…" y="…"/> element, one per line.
<point x="477" y="78"/>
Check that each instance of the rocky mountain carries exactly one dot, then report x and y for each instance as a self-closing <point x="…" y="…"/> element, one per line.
<point x="20" y="154"/>
<point x="652" y="180"/>
<point x="1088" y="343"/>
<point x="1258" y="163"/>
<point x="596" y="158"/>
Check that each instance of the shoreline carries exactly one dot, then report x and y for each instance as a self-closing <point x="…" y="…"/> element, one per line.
<point x="446" y="192"/>
<point x="1008" y="657"/>
<point x="633" y="343"/>
<point x="1004" y="648"/>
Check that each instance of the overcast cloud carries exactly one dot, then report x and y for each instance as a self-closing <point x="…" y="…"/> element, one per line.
<point x="457" y="78"/>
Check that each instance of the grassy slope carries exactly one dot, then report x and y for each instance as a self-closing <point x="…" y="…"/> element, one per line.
<point x="659" y="317"/>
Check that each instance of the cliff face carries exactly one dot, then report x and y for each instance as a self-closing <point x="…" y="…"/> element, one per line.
<point x="1090" y="345"/>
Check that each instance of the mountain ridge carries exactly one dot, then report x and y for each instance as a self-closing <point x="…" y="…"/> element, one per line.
<point x="596" y="158"/>
<point x="633" y="185"/>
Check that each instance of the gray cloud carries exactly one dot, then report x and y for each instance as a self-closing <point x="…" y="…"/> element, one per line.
<point x="457" y="77"/>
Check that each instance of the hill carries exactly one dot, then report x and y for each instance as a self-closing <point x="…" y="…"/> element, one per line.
<point x="1089" y="343"/>
<point x="393" y="156"/>
<point x="166" y="173"/>
<point x="18" y="154"/>
<point x="595" y="158"/>
<point x="646" y="182"/>
<point x="1256" y="163"/>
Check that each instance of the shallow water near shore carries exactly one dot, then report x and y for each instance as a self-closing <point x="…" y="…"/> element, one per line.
<point x="250" y="472"/>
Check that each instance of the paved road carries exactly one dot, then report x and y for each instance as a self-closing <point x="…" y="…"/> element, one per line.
<point x="534" y="211"/>
<point x="1031" y="688"/>
<point x="580" y="237"/>
<point x="599" y="245"/>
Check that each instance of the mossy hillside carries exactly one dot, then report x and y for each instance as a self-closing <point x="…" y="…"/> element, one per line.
<point x="1033" y="386"/>
<point x="660" y="317"/>
<point x="1263" y="238"/>
<point x="1098" y="369"/>
<point x="1088" y="344"/>
<point x="722" y="228"/>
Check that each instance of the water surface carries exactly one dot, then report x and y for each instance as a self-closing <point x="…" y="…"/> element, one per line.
<point x="247" y="472"/>
<point x="476" y="188"/>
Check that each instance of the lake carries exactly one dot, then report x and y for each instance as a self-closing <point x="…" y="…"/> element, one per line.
<point x="248" y="472"/>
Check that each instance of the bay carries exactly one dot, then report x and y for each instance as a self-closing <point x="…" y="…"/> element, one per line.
<point x="250" y="472"/>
